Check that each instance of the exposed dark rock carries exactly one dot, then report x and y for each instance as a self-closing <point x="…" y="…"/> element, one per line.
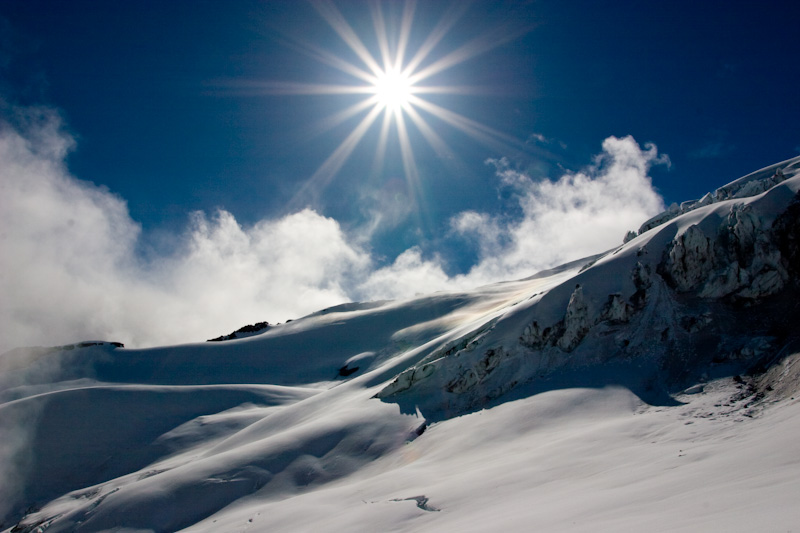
<point x="786" y="230"/>
<point x="576" y="321"/>
<point x="617" y="310"/>
<point x="536" y="337"/>
<point x="345" y="371"/>
<point x="701" y="299"/>
<point x="641" y="277"/>
<point x="746" y="259"/>
<point x="689" y="260"/>
<point x="242" y="332"/>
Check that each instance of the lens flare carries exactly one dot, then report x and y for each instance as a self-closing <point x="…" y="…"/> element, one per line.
<point x="394" y="81"/>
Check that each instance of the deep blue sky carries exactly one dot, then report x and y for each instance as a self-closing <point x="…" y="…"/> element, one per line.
<point x="155" y="94"/>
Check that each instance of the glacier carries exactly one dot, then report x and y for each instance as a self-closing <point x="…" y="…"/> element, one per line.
<point x="652" y="386"/>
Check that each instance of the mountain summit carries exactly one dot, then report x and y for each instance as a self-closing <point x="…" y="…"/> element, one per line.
<point x="651" y="387"/>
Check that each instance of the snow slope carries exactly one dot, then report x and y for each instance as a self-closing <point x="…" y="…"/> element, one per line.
<point x="650" y="387"/>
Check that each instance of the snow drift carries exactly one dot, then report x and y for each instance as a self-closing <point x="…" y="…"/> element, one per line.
<point x="649" y="387"/>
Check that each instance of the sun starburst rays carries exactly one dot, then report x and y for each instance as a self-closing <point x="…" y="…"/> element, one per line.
<point x="393" y="87"/>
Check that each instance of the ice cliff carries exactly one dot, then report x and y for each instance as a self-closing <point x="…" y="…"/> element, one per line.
<point x="708" y="288"/>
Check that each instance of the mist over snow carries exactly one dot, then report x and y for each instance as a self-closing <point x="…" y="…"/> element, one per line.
<point x="654" y="387"/>
<point x="71" y="270"/>
<point x="398" y="266"/>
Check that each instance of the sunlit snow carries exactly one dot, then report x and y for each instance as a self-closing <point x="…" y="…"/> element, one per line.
<point x="455" y="411"/>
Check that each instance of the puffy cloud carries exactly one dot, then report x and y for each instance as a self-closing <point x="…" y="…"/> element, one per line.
<point x="575" y="216"/>
<point x="70" y="271"/>
<point x="408" y="275"/>
<point x="554" y="222"/>
<point x="59" y="237"/>
<point x="285" y="267"/>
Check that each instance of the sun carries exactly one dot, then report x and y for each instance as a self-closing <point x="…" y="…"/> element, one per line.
<point x="394" y="80"/>
<point x="393" y="89"/>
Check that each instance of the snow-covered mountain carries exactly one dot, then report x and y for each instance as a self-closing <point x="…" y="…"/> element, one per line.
<point x="651" y="387"/>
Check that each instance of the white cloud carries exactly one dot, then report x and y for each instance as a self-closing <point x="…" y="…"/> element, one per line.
<point x="408" y="275"/>
<point x="69" y="270"/>
<point x="539" y="138"/>
<point x="384" y="207"/>
<point x="285" y="267"/>
<point x="59" y="236"/>
<point x="578" y="215"/>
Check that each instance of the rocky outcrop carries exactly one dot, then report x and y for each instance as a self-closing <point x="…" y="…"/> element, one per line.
<point x="786" y="232"/>
<point x="617" y="310"/>
<point x="748" y="256"/>
<point x="245" y="331"/>
<point x="535" y="337"/>
<point x="568" y="332"/>
<point x="477" y="373"/>
<point x="429" y="365"/>
<point x="742" y="259"/>
<point x="690" y="259"/>
<point x="406" y="379"/>
<point x="576" y="321"/>
<point x="641" y="277"/>
<point x="687" y="298"/>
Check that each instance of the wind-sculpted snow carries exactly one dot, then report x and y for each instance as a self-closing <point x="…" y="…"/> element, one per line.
<point x="644" y="306"/>
<point x="581" y="398"/>
<point x="745" y="187"/>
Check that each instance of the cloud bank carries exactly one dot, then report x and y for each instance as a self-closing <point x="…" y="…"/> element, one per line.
<point x="578" y="215"/>
<point x="554" y="222"/>
<point x="69" y="270"/>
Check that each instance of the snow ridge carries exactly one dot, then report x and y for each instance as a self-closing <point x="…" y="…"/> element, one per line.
<point x="595" y="382"/>
<point x="745" y="187"/>
<point x="712" y="261"/>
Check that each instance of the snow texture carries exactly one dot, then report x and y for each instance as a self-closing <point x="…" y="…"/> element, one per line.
<point x="651" y="387"/>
